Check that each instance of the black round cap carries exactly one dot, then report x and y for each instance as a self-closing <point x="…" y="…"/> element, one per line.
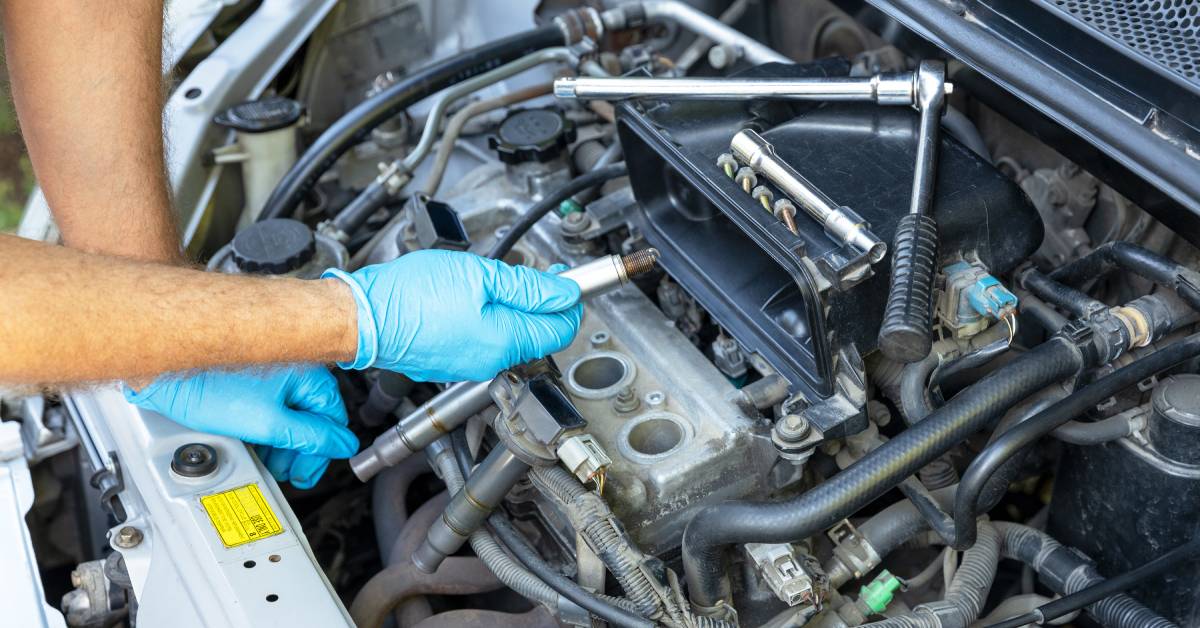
<point x="533" y="135"/>
<point x="273" y="246"/>
<point x="194" y="460"/>
<point x="260" y="116"/>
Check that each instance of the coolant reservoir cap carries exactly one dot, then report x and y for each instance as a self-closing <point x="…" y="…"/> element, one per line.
<point x="260" y="116"/>
<point x="532" y="135"/>
<point x="274" y="246"/>
<point x="1174" y="426"/>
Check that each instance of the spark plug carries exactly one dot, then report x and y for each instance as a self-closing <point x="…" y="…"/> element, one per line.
<point x="453" y="406"/>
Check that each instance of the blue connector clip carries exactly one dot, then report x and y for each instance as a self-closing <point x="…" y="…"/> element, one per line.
<point x="971" y="297"/>
<point x="990" y="298"/>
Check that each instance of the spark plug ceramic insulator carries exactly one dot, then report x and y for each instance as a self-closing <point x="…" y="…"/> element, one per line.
<point x="453" y="406"/>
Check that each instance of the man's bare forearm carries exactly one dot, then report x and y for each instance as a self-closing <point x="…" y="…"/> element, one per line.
<point x="87" y="84"/>
<point x="68" y="317"/>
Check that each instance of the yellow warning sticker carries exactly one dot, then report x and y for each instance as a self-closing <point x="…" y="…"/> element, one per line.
<point x="241" y="515"/>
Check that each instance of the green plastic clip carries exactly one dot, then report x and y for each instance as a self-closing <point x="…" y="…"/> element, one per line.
<point x="879" y="593"/>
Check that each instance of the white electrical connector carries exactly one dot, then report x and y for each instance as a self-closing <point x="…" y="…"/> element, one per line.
<point x="584" y="457"/>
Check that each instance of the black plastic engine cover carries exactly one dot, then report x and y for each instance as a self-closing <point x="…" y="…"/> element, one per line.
<point x="799" y="300"/>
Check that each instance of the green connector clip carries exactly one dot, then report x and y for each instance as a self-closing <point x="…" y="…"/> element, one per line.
<point x="569" y="206"/>
<point x="879" y="593"/>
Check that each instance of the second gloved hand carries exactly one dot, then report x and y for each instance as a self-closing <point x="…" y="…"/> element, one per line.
<point x="294" y="414"/>
<point x="446" y="316"/>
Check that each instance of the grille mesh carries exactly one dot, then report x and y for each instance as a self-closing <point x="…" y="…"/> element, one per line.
<point x="1163" y="30"/>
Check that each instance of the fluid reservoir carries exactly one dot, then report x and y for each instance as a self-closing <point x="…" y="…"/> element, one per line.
<point x="1126" y="502"/>
<point x="265" y="147"/>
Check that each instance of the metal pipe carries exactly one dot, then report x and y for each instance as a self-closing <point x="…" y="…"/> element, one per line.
<point x="470" y="507"/>
<point x="839" y="222"/>
<point x="882" y="89"/>
<point x="704" y="25"/>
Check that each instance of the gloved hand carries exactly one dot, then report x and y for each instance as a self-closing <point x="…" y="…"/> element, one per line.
<point x="294" y="413"/>
<point x="446" y="316"/>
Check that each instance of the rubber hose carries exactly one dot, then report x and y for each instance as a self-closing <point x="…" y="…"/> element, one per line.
<point x="916" y="402"/>
<point x="874" y="474"/>
<point x="1097" y="591"/>
<point x="388" y="496"/>
<point x="1066" y="571"/>
<point x="476" y="618"/>
<point x="1088" y="433"/>
<point x="358" y="123"/>
<point x="966" y="594"/>
<point x="1137" y="260"/>
<point x="550" y="202"/>
<point x="458" y="575"/>
<point x="967" y="501"/>
<point x="413" y="610"/>
<point x="1044" y="315"/>
<point x="1078" y="304"/>
<point x="895" y="525"/>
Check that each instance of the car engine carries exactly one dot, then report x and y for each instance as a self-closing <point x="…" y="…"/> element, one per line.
<point x="889" y="320"/>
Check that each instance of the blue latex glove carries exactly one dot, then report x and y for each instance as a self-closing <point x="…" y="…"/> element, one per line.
<point x="446" y="316"/>
<point x="295" y="414"/>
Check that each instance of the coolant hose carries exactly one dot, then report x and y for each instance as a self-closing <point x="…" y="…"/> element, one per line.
<point x="874" y="474"/>
<point x="1066" y="571"/>
<point x="358" y="123"/>
<point x="550" y="202"/>
<point x="1137" y="260"/>
<point x="1016" y="439"/>
<point x="1078" y="304"/>
<point x="966" y="594"/>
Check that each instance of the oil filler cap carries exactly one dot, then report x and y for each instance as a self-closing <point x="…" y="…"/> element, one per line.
<point x="275" y="246"/>
<point x="260" y="116"/>
<point x="532" y="135"/>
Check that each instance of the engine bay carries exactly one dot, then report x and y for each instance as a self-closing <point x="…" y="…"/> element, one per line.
<point x="861" y="344"/>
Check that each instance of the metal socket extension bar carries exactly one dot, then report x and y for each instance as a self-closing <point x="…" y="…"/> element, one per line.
<point x="884" y="89"/>
<point x="841" y="223"/>
<point x="450" y="408"/>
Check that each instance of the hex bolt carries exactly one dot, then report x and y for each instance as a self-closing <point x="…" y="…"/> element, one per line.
<point x="785" y="212"/>
<point x="626" y="400"/>
<point x="763" y="195"/>
<point x="746" y="178"/>
<point x="128" y="537"/>
<point x="793" y="427"/>
<point x="575" y="223"/>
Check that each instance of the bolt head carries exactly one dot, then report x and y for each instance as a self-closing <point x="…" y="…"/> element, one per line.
<point x="793" y="427"/>
<point x="194" y="460"/>
<point x="127" y="537"/>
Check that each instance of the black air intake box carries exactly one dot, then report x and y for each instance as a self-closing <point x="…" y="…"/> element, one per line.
<point x="808" y="306"/>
